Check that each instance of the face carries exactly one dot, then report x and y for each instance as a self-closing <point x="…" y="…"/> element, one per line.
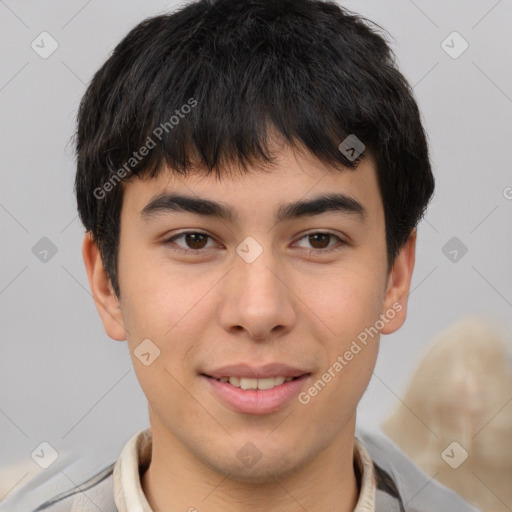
<point x="307" y="290"/>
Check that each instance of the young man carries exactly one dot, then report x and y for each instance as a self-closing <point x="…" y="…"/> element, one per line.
<point x="250" y="176"/>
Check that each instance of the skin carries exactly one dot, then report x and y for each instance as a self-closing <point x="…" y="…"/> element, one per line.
<point x="204" y="311"/>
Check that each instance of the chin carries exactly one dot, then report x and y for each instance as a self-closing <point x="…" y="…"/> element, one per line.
<point x="262" y="475"/>
<point x="266" y="470"/>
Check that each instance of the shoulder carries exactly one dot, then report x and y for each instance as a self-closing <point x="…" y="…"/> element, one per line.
<point x="398" y="476"/>
<point x="90" y="493"/>
<point x="96" y="493"/>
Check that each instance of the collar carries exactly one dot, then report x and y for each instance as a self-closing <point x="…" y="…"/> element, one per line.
<point x="136" y="456"/>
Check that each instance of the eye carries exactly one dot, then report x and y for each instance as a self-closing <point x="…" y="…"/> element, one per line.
<point x="195" y="241"/>
<point x="320" y="241"/>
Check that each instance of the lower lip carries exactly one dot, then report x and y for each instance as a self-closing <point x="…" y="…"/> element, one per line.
<point x="257" y="401"/>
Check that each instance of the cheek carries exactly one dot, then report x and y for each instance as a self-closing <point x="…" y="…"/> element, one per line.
<point x="346" y="306"/>
<point x="156" y="313"/>
<point x="345" y="302"/>
<point x="169" y="308"/>
<point x="155" y="295"/>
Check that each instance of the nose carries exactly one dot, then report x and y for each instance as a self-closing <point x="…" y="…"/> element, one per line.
<point x="258" y="299"/>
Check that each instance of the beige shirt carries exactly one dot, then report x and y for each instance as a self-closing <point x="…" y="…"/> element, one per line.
<point x="136" y="456"/>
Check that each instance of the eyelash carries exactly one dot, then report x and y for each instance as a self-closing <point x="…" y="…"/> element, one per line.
<point x="336" y="247"/>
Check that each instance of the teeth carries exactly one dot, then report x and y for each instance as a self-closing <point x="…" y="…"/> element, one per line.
<point x="245" y="383"/>
<point x="248" y="383"/>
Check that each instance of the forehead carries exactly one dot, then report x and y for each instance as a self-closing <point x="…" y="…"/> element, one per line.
<point x="263" y="189"/>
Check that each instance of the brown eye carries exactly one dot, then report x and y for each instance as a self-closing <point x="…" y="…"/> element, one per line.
<point x="196" y="240"/>
<point x="192" y="241"/>
<point x="319" y="240"/>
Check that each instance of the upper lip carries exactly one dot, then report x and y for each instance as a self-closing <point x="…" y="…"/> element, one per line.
<point x="256" y="372"/>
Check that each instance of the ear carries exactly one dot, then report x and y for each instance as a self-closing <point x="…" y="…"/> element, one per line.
<point x="106" y="301"/>
<point x="399" y="282"/>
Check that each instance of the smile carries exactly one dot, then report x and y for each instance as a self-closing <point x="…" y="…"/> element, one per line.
<point x="248" y="395"/>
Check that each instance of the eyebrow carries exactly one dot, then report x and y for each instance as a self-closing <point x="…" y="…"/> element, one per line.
<point x="164" y="203"/>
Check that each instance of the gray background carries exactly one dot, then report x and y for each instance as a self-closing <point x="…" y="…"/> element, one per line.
<point x="63" y="380"/>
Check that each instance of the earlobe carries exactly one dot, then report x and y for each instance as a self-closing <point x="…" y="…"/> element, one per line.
<point x="399" y="283"/>
<point x="105" y="299"/>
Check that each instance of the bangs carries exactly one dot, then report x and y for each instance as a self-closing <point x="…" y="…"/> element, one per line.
<point x="220" y="94"/>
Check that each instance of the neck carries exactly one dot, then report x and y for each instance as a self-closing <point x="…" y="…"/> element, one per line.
<point x="178" y="481"/>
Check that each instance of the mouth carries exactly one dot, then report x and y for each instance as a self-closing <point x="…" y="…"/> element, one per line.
<point x="251" y="396"/>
